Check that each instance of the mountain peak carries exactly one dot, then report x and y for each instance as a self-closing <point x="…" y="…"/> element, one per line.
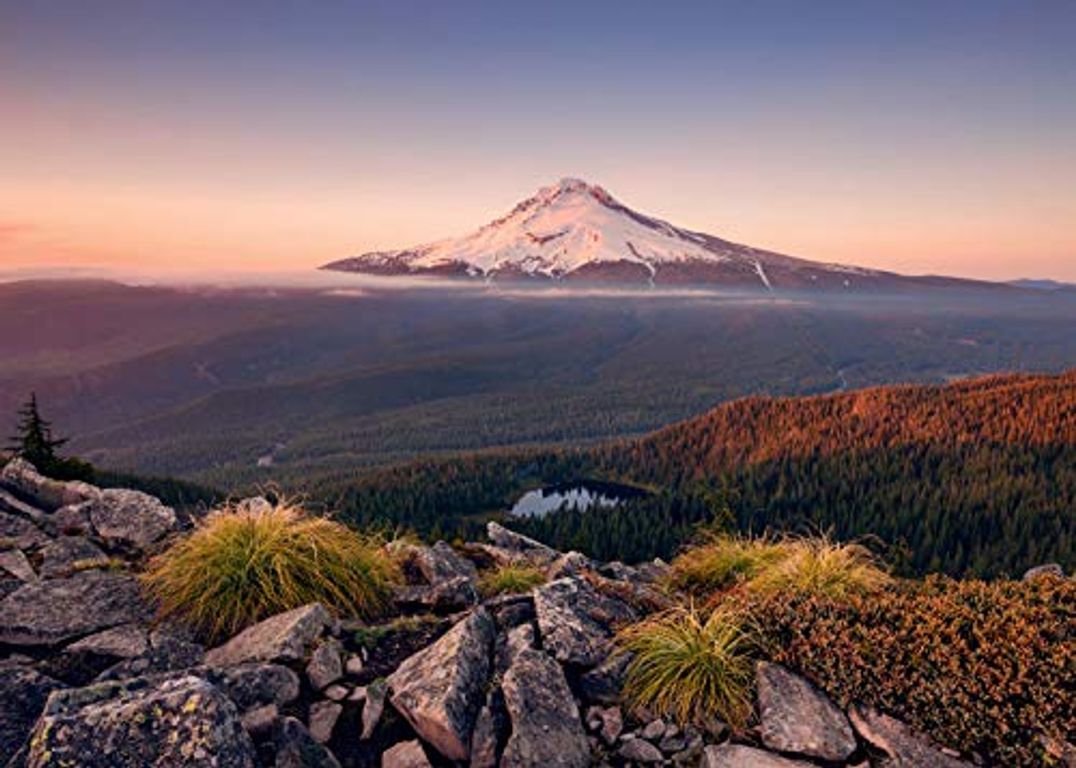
<point x="575" y="230"/>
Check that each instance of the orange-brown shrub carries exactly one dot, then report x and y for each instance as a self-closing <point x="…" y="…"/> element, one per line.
<point x="984" y="667"/>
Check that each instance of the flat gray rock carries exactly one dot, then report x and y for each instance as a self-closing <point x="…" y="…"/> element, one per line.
<point x="125" y="642"/>
<point x="21" y="478"/>
<point x="406" y="754"/>
<point x="296" y="748"/>
<point x="256" y="685"/>
<point x="441" y="688"/>
<point x="373" y="707"/>
<point x="739" y="756"/>
<point x="323" y="717"/>
<point x="326" y="664"/>
<point x="14" y="562"/>
<point x="797" y="717"/>
<point x="546" y="728"/>
<point x="577" y="622"/>
<point x="129" y="518"/>
<point x="182" y="721"/>
<point x="520" y="547"/>
<point x="441" y="563"/>
<point x="284" y="637"/>
<point x="66" y="554"/>
<point x="20" y="532"/>
<point x="640" y="751"/>
<point x="49" y="612"/>
<point x="906" y="748"/>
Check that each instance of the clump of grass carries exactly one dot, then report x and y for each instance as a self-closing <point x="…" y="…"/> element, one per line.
<point x="242" y="565"/>
<point x="510" y="579"/>
<point x="810" y="564"/>
<point x="691" y="667"/>
<point x="819" y="566"/>
<point x="721" y="561"/>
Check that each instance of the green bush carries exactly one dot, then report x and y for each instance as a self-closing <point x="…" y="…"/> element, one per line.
<point x="984" y="667"/>
<point x="242" y="565"/>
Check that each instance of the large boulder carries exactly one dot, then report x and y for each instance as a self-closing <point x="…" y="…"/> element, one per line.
<point x="24" y="693"/>
<point x="183" y="721"/>
<point x="797" y="717"/>
<point x="512" y="546"/>
<point x="284" y="637"/>
<point x="577" y="622"/>
<point x="52" y="611"/>
<point x="905" y="748"/>
<point x="441" y="688"/>
<point x="546" y="729"/>
<point x="126" y="518"/>
<point x="740" y="756"/>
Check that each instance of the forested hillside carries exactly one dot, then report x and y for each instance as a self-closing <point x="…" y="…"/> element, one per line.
<point x="975" y="477"/>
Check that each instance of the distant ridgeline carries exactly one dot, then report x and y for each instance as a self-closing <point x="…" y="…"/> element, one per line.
<point x="976" y="477"/>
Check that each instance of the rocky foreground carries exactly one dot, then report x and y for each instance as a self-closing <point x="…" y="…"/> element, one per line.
<point x="89" y="678"/>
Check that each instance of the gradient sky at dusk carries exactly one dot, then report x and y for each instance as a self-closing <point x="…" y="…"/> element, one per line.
<point x="917" y="136"/>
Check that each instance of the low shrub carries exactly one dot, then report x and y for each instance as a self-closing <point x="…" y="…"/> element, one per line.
<point x="985" y="667"/>
<point x="689" y="666"/>
<point x="510" y="580"/>
<point x="242" y="565"/>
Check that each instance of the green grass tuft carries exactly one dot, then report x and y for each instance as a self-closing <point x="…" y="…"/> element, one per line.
<point x="721" y="561"/>
<point x="240" y="566"/>
<point x="689" y="667"/>
<point x="510" y="580"/>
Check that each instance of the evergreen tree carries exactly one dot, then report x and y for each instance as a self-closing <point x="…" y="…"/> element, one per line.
<point x="35" y="443"/>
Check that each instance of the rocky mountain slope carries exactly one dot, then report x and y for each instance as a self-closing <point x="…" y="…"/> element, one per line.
<point x="576" y="231"/>
<point x="90" y="679"/>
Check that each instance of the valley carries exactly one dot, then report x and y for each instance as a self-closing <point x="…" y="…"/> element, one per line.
<point x="203" y="382"/>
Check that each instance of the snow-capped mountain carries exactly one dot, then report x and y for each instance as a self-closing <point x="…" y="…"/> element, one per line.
<point x="577" y="231"/>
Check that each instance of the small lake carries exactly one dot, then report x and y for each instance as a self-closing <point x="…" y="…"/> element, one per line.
<point x="583" y="496"/>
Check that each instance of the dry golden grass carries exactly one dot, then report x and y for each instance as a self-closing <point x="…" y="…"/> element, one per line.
<point x="240" y="566"/>
<point x="510" y="580"/>
<point x="810" y="564"/>
<point x="817" y="565"/>
<point x="691" y="667"/>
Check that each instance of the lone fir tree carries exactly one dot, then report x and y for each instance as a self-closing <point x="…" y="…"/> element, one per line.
<point x="35" y="443"/>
